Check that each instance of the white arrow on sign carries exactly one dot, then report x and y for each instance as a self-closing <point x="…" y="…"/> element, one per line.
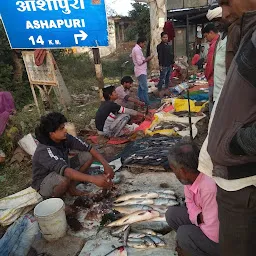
<point x="82" y="35"/>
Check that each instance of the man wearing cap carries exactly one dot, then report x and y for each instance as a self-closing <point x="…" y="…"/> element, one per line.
<point x="227" y="44"/>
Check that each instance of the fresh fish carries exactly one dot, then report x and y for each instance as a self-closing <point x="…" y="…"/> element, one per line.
<point x="126" y="235"/>
<point x="117" y="232"/>
<point x="162" y="209"/>
<point x="135" y="217"/>
<point x="158" y="241"/>
<point x="159" y="219"/>
<point x="137" y="195"/>
<point x="164" y="191"/>
<point x="128" y="160"/>
<point x="160" y="227"/>
<point x="128" y="209"/>
<point x="137" y="244"/>
<point x="168" y="196"/>
<point x="165" y="201"/>
<point x="145" y="231"/>
<point x="136" y="239"/>
<point x="149" y="242"/>
<point x="136" y="235"/>
<point x="135" y="201"/>
<point x="120" y="251"/>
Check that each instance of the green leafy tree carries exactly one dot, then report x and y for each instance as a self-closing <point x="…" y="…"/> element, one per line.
<point x="141" y="26"/>
<point x="13" y="77"/>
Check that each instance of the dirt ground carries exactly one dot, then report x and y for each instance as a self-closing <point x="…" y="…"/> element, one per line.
<point x="98" y="242"/>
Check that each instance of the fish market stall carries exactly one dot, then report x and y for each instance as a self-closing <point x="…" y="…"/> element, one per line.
<point x="139" y="228"/>
<point x="130" y="219"/>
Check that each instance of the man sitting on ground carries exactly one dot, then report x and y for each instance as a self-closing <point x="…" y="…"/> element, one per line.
<point x="53" y="174"/>
<point x="123" y="92"/>
<point x="197" y="223"/>
<point x="112" y="118"/>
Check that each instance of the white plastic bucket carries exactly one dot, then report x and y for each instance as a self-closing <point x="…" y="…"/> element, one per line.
<point x="51" y="217"/>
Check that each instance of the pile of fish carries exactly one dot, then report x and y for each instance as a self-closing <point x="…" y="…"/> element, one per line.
<point x="169" y="125"/>
<point x="142" y="208"/>
<point x="150" y="151"/>
<point x="139" y="239"/>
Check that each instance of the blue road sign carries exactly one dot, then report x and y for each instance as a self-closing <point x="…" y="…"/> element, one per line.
<point x="33" y="24"/>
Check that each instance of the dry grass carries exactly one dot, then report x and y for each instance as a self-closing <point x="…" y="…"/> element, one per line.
<point x="78" y="73"/>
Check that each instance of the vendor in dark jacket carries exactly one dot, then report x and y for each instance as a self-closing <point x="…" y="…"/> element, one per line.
<point x="53" y="175"/>
<point x="232" y="141"/>
<point x="166" y="60"/>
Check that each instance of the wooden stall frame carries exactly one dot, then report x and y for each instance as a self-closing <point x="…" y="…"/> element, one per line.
<point x="43" y="84"/>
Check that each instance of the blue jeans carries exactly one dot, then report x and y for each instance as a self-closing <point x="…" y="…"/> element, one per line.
<point x="143" y="89"/>
<point x="19" y="237"/>
<point x="164" y="78"/>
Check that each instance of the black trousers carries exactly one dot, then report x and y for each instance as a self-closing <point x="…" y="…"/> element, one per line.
<point x="190" y="237"/>
<point x="237" y="215"/>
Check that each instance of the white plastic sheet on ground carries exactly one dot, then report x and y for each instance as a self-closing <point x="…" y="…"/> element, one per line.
<point x="12" y="207"/>
<point x="28" y="144"/>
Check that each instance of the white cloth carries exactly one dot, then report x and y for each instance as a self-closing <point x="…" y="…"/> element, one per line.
<point x="219" y="67"/>
<point x="214" y="14"/>
<point x="12" y="207"/>
<point x="205" y="165"/>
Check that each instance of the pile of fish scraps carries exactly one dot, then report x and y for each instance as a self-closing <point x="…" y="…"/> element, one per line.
<point x="144" y="218"/>
<point x="169" y="126"/>
<point x="150" y="151"/>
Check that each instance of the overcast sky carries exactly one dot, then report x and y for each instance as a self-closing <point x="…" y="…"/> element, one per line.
<point x="122" y="7"/>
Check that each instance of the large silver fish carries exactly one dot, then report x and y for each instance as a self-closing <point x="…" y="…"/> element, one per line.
<point x="161" y="227"/>
<point x="145" y="231"/>
<point x="144" y="240"/>
<point x="136" y="235"/>
<point x="140" y="244"/>
<point x="135" y="201"/>
<point x="135" y="217"/>
<point x="128" y="209"/>
<point x="117" y="232"/>
<point x="136" y="195"/>
<point x="168" y="196"/>
<point x="165" y="201"/>
<point x="162" y="209"/>
<point x="165" y="191"/>
<point x="149" y="242"/>
<point x="158" y="241"/>
<point x="159" y="219"/>
<point x="126" y="235"/>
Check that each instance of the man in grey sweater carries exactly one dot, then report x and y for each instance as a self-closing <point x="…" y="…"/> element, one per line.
<point x="53" y="174"/>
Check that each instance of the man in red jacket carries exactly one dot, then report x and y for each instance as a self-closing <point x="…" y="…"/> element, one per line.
<point x="210" y="32"/>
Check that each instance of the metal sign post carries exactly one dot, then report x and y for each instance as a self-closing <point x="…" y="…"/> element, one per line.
<point x="55" y="24"/>
<point x="189" y="116"/>
<point x="98" y="70"/>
